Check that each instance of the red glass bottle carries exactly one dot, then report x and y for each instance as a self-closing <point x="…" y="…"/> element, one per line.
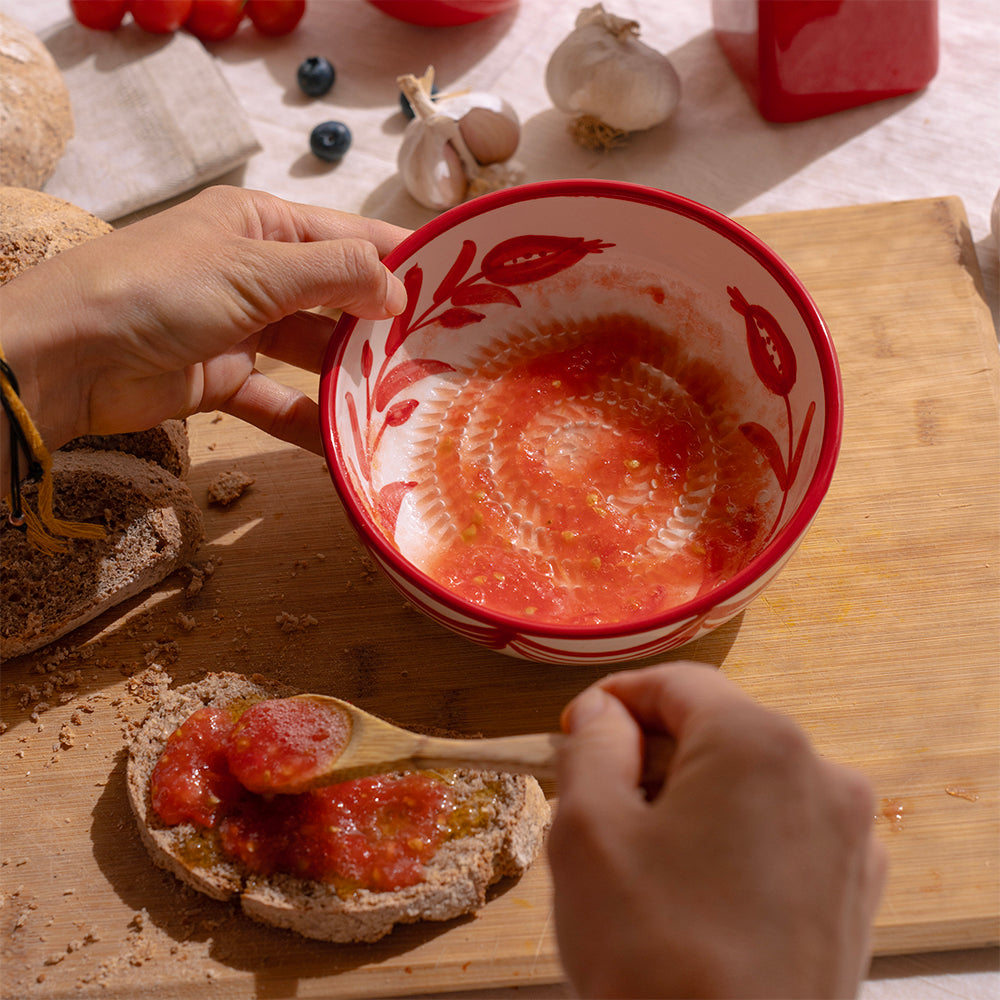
<point x="801" y="59"/>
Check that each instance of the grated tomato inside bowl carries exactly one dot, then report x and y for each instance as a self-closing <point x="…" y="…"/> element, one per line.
<point x="584" y="474"/>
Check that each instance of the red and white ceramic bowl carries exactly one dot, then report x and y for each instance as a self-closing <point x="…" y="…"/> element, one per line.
<point x="601" y="427"/>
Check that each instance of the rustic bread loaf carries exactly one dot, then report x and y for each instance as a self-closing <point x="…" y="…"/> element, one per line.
<point x="36" y="118"/>
<point x="36" y="226"/>
<point x="457" y="876"/>
<point x="153" y="525"/>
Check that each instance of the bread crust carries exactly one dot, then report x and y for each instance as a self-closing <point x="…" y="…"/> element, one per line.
<point x="167" y="444"/>
<point x="154" y="526"/>
<point x="36" y="117"/>
<point x="457" y="877"/>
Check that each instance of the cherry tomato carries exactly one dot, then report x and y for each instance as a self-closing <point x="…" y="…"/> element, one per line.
<point x="101" y="15"/>
<point x="214" y="20"/>
<point x="275" y="17"/>
<point x="160" y="16"/>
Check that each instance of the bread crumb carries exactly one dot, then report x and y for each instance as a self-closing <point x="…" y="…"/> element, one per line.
<point x="294" y="623"/>
<point x="186" y="622"/>
<point x="228" y="487"/>
<point x="199" y="574"/>
<point x="161" y="652"/>
<point x="369" y="571"/>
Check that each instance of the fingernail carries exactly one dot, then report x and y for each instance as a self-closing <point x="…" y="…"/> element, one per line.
<point x="395" y="294"/>
<point x="584" y="708"/>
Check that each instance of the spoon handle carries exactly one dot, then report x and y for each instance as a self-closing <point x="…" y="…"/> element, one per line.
<point x="532" y="754"/>
<point x="524" y="754"/>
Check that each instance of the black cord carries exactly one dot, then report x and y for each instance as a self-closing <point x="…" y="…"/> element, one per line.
<point x="18" y="442"/>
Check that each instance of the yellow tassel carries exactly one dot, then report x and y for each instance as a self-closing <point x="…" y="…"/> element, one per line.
<point x="44" y="530"/>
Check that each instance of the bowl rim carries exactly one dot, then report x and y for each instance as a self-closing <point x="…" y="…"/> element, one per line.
<point x="780" y="547"/>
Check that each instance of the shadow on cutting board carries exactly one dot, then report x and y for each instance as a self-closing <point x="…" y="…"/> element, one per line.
<point x="286" y="589"/>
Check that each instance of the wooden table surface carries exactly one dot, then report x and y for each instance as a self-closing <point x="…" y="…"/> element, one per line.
<point x="881" y="637"/>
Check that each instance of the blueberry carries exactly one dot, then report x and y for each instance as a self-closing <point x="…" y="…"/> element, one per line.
<point x="316" y="76"/>
<point x="404" y="102"/>
<point x="330" y="140"/>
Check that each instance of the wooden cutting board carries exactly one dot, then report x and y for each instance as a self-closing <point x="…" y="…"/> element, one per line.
<point x="881" y="637"/>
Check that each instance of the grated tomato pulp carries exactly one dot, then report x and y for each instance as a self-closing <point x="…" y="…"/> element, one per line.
<point x="586" y="475"/>
<point x="374" y="833"/>
<point x="281" y="743"/>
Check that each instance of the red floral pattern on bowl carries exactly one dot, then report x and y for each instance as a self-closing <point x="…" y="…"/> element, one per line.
<point x="551" y="253"/>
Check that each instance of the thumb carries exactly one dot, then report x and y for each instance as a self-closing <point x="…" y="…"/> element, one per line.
<point x="343" y="274"/>
<point x="363" y="285"/>
<point x="601" y="757"/>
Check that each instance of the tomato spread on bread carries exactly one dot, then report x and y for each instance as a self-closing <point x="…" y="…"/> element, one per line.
<point x="374" y="833"/>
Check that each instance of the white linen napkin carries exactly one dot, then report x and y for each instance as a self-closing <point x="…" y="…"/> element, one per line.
<point x="154" y="117"/>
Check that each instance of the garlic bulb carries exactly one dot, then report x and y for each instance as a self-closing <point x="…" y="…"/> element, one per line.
<point x="457" y="145"/>
<point x="616" y="84"/>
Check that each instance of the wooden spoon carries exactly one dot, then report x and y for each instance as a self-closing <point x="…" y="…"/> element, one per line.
<point x="370" y="745"/>
<point x="312" y="740"/>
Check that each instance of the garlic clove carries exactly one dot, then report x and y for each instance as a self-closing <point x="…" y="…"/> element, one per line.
<point x="489" y="124"/>
<point x="430" y="167"/>
<point x="491" y="136"/>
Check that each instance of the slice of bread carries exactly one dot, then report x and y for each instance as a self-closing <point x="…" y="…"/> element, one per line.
<point x="457" y="876"/>
<point x="154" y="526"/>
<point x="166" y="444"/>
